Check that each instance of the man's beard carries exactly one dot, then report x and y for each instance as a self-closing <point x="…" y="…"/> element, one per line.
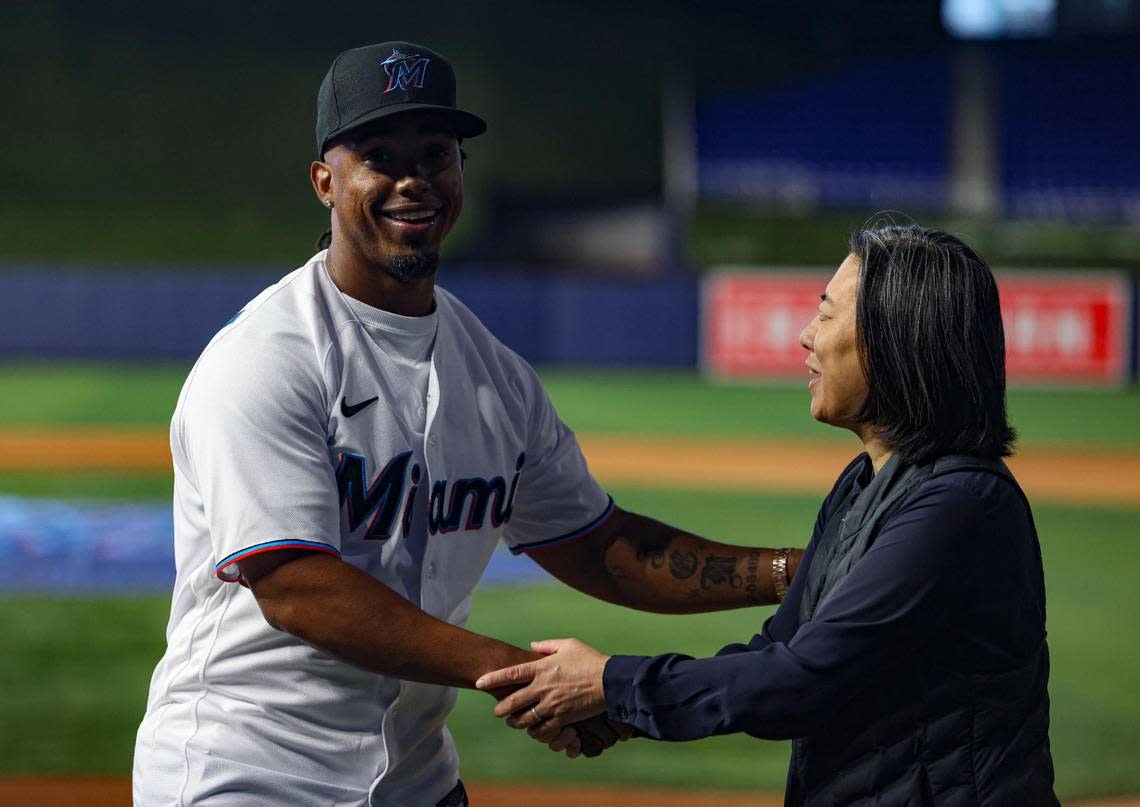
<point x="410" y="268"/>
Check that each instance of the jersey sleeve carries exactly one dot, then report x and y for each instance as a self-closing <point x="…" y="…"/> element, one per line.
<point x="253" y="426"/>
<point x="557" y="498"/>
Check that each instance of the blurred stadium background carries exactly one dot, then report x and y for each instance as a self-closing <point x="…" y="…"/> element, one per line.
<point x="662" y="189"/>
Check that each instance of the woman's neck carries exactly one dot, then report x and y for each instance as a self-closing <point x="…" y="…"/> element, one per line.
<point x="876" y="449"/>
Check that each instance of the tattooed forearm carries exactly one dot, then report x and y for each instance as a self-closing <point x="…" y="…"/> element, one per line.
<point x="655" y="567"/>
<point x="682" y="565"/>
<point x="719" y="570"/>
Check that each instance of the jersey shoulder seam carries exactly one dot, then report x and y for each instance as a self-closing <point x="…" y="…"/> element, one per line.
<point x="282" y="285"/>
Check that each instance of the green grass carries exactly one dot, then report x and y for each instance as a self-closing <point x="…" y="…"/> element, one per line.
<point x="74" y="674"/>
<point x="84" y="394"/>
<point x="73" y="680"/>
<point x="622" y="402"/>
<point x="87" y="485"/>
<point x="684" y="403"/>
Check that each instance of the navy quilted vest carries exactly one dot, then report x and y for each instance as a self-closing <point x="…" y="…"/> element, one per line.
<point x="932" y="735"/>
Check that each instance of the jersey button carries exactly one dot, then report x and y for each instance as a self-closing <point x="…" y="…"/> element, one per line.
<point x="431" y="569"/>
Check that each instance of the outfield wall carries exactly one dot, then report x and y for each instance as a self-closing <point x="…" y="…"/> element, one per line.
<point x="1056" y="336"/>
<point x="156" y="313"/>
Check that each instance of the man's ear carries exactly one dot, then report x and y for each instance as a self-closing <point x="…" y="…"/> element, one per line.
<point x="320" y="173"/>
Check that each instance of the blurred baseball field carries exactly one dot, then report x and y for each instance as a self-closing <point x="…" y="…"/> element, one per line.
<point x="741" y="464"/>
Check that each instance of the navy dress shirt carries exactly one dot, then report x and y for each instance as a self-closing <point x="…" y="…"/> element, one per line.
<point x="954" y="575"/>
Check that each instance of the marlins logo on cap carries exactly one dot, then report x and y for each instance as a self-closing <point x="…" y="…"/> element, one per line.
<point x="405" y="70"/>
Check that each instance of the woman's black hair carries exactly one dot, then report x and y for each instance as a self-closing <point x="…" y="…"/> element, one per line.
<point x="932" y="343"/>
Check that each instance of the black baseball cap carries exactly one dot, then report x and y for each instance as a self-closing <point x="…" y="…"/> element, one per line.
<point x="373" y="82"/>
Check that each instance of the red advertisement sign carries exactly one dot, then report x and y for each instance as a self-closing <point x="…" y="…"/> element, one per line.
<point x="1066" y="328"/>
<point x="1060" y="328"/>
<point x="751" y="322"/>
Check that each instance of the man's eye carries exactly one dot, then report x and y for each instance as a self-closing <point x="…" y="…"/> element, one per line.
<point x="377" y="157"/>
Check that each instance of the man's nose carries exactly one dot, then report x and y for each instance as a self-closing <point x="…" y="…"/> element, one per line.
<point x="414" y="183"/>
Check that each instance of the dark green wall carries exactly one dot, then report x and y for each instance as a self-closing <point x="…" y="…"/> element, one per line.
<point x="182" y="132"/>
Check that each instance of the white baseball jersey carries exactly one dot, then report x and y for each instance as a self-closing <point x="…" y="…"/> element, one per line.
<point x="298" y="427"/>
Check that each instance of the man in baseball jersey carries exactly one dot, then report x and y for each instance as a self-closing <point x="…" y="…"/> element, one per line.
<point x="349" y="450"/>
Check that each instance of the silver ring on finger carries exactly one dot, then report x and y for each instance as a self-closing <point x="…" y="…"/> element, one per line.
<point x="537" y="716"/>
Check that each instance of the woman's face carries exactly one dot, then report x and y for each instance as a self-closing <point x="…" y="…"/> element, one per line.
<point x="836" y="380"/>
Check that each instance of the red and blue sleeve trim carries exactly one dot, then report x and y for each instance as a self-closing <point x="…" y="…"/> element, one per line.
<point x="269" y="546"/>
<point x="570" y="536"/>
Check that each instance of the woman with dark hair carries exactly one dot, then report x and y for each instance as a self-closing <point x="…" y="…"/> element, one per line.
<point x="908" y="661"/>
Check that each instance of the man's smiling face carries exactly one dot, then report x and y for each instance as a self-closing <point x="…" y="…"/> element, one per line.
<point x="396" y="191"/>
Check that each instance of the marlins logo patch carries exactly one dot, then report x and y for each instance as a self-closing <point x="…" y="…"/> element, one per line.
<point x="405" y="70"/>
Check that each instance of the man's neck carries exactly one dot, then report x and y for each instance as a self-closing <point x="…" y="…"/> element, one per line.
<point x="375" y="286"/>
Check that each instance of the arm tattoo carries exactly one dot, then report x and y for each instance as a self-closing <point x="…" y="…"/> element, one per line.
<point x="682" y="565"/>
<point x="720" y="570"/>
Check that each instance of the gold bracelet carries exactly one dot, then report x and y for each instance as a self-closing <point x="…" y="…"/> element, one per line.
<point x="780" y="573"/>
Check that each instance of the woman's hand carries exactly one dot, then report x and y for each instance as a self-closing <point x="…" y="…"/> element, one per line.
<point x="563" y="688"/>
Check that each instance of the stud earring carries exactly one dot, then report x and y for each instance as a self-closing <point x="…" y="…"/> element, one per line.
<point x="328" y="203"/>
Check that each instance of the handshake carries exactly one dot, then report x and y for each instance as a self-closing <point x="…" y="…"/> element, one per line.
<point x="559" y="700"/>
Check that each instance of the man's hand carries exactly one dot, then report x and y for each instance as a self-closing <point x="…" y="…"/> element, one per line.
<point x="587" y="738"/>
<point x="594" y="735"/>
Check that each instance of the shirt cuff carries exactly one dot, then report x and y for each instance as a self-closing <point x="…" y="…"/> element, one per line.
<point x="617" y="683"/>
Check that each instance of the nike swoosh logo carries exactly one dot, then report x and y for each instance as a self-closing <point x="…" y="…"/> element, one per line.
<point x="348" y="410"/>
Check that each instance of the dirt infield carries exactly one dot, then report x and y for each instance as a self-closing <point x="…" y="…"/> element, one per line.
<point x="103" y="449"/>
<point x="1062" y="475"/>
<point x="22" y="791"/>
